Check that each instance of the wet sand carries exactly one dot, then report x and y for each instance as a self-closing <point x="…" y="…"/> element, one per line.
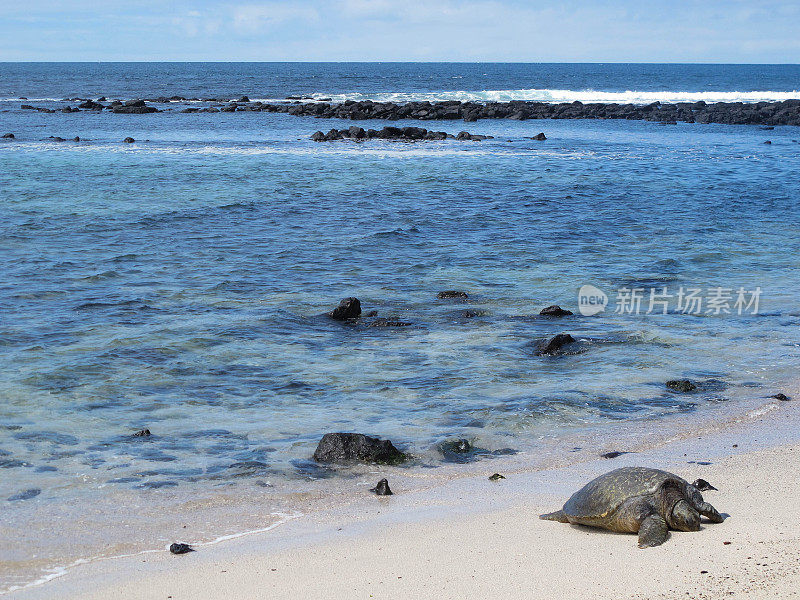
<point x="475" y="537"/>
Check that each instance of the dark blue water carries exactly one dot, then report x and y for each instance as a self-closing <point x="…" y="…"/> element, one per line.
<point x="278" y="80"/>
<point x="179" y="283"/>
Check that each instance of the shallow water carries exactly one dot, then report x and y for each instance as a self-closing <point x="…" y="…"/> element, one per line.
<point x="179" y="284"/>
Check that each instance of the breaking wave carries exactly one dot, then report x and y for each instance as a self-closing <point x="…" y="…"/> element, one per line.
<point x="586" y="96"/>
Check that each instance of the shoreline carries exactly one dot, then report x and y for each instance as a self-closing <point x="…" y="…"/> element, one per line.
<point x="786" y="112"/>
<point x="460" y="506"/>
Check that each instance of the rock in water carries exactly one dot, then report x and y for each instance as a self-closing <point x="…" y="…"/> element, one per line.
<point x="343" y="447"/>
<point x="26" y="495"/>
<point x="555" y="311"/>
<point x="781" y="397"/>
<point x="382" y="489"/>
<point x="450" y="294"/>
<point x="683" y="386"/>
<point x="703" y="485"/>
<point x="496" y="477"/>
<point x="142" y="433"/>
<point x="539" y="137"/>
<point x="349" y="308"/>
<point x="180" y="548"/>
<point x="8" y="136"/>
<point x="613" y="454"/>
<point x="129" y="140"/>
<point x="461" y="446"/>
<point x="555" y="345"/>
<point x="389" y="323"/>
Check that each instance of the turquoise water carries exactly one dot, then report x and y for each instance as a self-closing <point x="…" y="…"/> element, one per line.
<point x="180" y="283"/>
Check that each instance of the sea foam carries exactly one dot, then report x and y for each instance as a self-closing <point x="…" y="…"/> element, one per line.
<point x="553" y="95"/>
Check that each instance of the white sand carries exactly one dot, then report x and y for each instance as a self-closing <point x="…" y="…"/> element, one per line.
<point x="478" y="539"/>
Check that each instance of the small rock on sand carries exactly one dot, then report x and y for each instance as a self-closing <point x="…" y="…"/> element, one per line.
<point x="179" y="548"/>
<point x="382" y="489"/>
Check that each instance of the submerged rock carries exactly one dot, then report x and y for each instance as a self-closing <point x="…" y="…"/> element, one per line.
<point x="452" y="294"/>
<point x="555" y="344"/>
<point x="25" y="495"/>
<point x="389" y="323"/>
<point x="342" y="447"/>
<point x="684" y="386"/>
<point x="471" y="313"/>
<point x="463" y="451"/>
<point x="382" y="489"/>
<point x="349" y="308"/>
<point x="555" y="311"/>
<point x="460" y="446"/>
<point x="179" y="548"/>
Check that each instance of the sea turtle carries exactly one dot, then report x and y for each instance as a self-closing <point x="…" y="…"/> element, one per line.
<point x="638" y="499"/>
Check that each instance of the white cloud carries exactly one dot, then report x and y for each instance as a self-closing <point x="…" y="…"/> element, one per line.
<point x="253" y="18"/>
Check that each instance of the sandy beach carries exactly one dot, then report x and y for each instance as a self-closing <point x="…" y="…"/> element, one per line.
<point x="473" y="537"/>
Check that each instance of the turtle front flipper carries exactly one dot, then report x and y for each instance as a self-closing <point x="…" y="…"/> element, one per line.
<point x="701" y="506"/>
<point x="709" y="512"/>
<point x="653" y="531"/>
<point x="555" y="516"/>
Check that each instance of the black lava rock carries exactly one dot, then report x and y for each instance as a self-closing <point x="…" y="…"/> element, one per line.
<point x="539" y="137"/>
<point x="132" y="107"/>
<point x="129" y="140"/>
<point x="178" y="548"/>
<point x="684" y="386"/>
<point x="349" y="308"/>
<point x="613" y="454"/>
<point x="343" y="447"/>
<point x="389" y="323"/>
<point x="382" y="489"/>
<point x="555" y="344"/>
<point x="555" y="311"/>
<point x="452" y="294"/>
<point x="460" y="446"/>
<point x="142" y="433"/>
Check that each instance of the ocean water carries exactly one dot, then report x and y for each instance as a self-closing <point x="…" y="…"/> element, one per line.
<point x="180" y="283"/>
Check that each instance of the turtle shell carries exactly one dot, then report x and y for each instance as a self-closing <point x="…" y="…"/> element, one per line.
<point x="602" y="496"/>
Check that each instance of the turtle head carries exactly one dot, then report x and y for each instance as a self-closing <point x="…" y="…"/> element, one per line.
<point x="683" y="517"/>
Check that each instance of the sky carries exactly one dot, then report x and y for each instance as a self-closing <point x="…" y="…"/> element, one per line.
<point x="731" y="31"/>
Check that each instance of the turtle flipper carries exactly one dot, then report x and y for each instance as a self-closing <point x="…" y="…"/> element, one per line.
<point x="709" y="512"/>
<point x="555" y="516"/>
<point x="653" y="531"/>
